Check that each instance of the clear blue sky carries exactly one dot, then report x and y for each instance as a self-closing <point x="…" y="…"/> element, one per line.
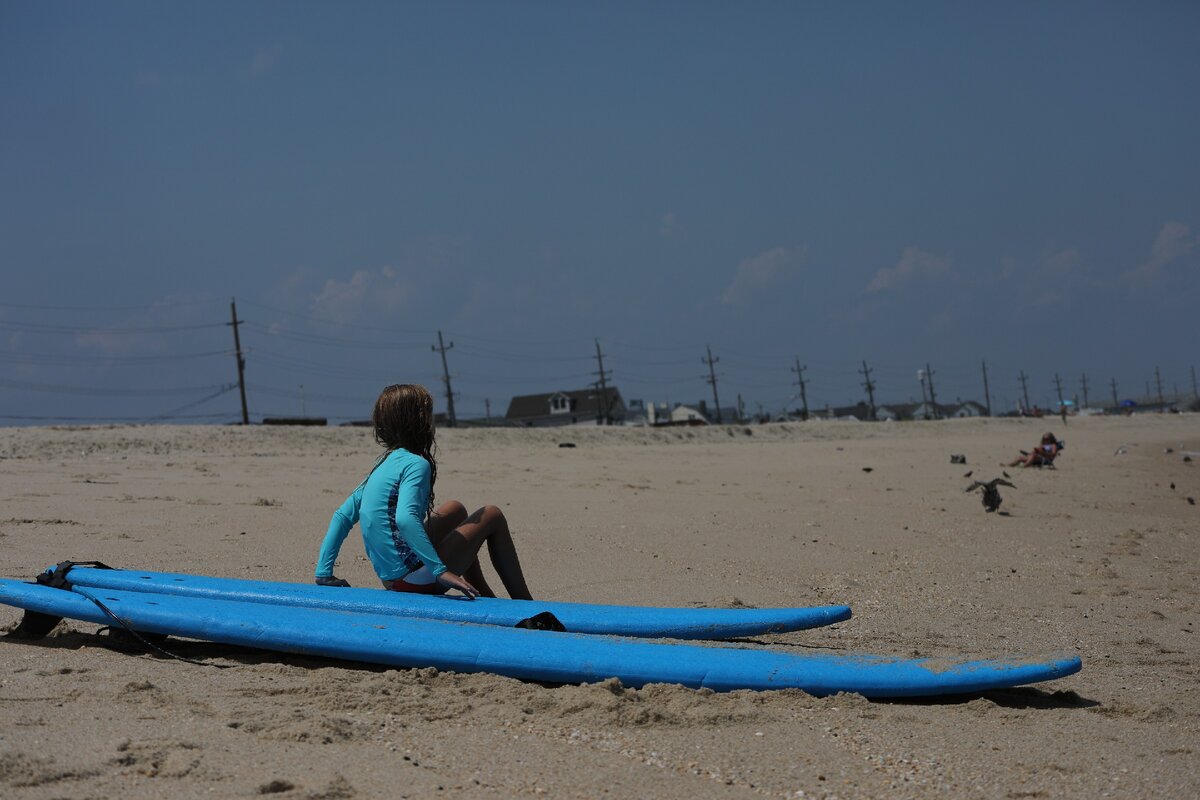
<point x="900" y="183"/>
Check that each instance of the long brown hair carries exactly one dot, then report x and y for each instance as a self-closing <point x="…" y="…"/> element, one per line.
<point x="403" y="418"/>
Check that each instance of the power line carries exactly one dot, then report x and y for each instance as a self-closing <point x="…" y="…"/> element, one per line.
<point x="34" y="327"/>
<point x="45" y="359"/>
<point x="293" y="394"/>
<point x="73" y="418"/>
<point x="93" y="390"/>
<point x="270" y="357"/>
<point x="335" y="323"/>
<point x="174" y="412"/>
<point x="330" y="341"/>
<point x="471" y="350"/>
<point x="151" y="307"/>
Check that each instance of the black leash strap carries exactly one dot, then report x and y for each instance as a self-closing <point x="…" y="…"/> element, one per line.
<point x="142" y="637"/>
<point x="36" y="625"/>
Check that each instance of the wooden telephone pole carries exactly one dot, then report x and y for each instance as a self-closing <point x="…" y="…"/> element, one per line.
<point x="932" y="397"/>
<point x="241" y="362"/>
<point x="605" y="409"/>
<point x="712" y="379"/>
<point x="987" y="397"/>
<point x="869" y="385"/>
<point x="442" y="347"/>
<point x="799" y="370"/>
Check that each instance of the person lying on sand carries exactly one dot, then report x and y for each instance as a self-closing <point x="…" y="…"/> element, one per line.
<point x="1042" y="456"/>
<point x="413" y="546"/>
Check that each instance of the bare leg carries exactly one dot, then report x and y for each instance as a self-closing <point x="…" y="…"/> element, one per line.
<point x="444" y="519"/>
<point x="460" y="547"/>
<point x="1025" y="461"/>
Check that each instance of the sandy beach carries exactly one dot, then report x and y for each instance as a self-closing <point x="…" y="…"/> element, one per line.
<point x="1095" y="558"/>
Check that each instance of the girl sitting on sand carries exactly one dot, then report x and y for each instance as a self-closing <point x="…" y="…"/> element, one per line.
<point x="413" y="546"/>
<point x="1042" y="456"/>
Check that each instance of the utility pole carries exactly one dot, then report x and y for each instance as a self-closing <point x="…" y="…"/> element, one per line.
<point x="605" y="411"/>
<point x="1024" y="388"/>
<point x="932" y="397"/>
<point x="1158" y="380"/>
<point x="1083" y="382"/>
<point x="442" y="347"/>
<point x="1058" y="386"/>
<point x="799" y="370"/>
<point x="712" y="379"/>
<point x="487" y="409"/>
<point x="924" y="395"/>
<point x="869" y="385"/>
<point x="987" y="397"/>
<point x="241" y="362"/>
<point x="1195" y="394"/>
<point x="1116" y="402"/>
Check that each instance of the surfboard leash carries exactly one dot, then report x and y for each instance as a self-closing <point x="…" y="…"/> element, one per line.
<point x="35" y="624"/>
<point x="137" y="635"/>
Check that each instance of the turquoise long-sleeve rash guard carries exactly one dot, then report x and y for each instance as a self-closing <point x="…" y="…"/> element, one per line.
<point x="390" y="506"/>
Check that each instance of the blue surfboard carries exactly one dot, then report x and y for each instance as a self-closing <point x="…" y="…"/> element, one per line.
<point x="529" y="655"/>
<point x="641" y="621"/>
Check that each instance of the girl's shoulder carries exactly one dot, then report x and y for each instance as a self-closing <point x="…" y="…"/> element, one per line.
<point x="401" y="459"/>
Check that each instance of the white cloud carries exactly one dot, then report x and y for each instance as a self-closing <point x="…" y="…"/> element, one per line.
<point x="150" y="79"/>
<point x="914" y="263"/>
<point x="265" y="60"/>
<point x="1063" y="262"/>
<point x="366" y="291"/>
<point x="669" y="226"/>
<point x="152" y="330"/>
<point x="1174" y="241"/>
<point x="760" y="271"/>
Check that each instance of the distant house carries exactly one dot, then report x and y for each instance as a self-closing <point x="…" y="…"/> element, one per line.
<point x="969" y="408"/>
<point x="891" y="412"/>
<point x="638" y="412"/>
<point x="927" y="410"/>
<point x="577" y="407"/>
<point x="860" y="411"/>
<point x="686" y="415"/>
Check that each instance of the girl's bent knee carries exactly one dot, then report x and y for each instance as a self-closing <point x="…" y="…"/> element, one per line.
<point x="452" y="512"/>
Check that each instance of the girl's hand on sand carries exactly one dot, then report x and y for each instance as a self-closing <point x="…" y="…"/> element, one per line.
<point x="453" y="581"/>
